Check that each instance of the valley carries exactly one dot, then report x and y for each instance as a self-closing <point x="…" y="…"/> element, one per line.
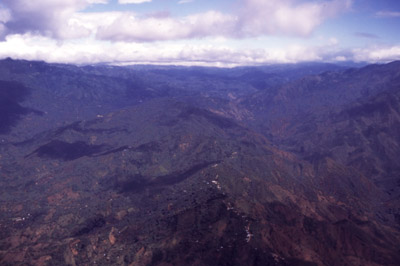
<point x="164" y="165"/>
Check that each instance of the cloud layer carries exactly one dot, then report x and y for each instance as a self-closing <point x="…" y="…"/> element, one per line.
<point x="54" y="18"/>
<point x="59" y="19"/>
<point x="90" y="51"/>
<point x="60" y="31"/>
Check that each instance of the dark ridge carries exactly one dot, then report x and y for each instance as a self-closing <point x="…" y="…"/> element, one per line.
<point x="172" y="179"/>
<point x="140" y="183"/>
<point x="58" y="149"/>
<point x="151" y="146"/>
<point x="77" y="126"/>
<point x="137" y="184"/>
<point x="217" y="120"/>
<point x="90" y="225"/>
<point x="74" y="126"/>
<point x="11" y="95"/>
<point x="113" y="151"/>
<point x="369" y="109"/>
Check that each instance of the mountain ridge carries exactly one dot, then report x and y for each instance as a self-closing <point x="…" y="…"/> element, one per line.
<point x="194" y="179"/>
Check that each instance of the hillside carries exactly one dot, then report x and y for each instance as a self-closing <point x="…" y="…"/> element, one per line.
<point x="297" y="166"/>
<point x="351" y="118"/>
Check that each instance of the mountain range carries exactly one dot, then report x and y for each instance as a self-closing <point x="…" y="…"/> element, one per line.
<point x="168" y="165"/>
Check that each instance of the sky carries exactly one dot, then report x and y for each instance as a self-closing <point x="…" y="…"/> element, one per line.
<point x="200" y="32"/>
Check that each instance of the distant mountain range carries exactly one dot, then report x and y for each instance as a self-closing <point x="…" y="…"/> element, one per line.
<point x="156" y="165"/>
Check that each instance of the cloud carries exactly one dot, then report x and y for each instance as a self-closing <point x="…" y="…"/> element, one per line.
<point x="211" y="53"/>
<point x="388" y="14"/>
<point x="61" y="19"/>
<point x="46" y="17"/>
<point x="287" y="17"/>
<point x="33" y="47"/>
<point x="377" y="54"/>
<point x="33" y="31"/>
<point x="159" y="14"/>
<point x="256" y="18"/>
<point x="5" y="15"/>
<point x="130" y="28"/>
<point x="366" y="35"/>
<point x="185" y="1"/>
<point x="133" y="1"/>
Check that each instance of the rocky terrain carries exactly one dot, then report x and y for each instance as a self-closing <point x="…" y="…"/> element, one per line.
<point x="146" y="165"/>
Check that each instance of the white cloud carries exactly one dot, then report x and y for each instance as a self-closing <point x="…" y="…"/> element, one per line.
<point x="287" y="17"/>
<point x="215" y="53"/>
<point x="133" y="1"/>
<point x="340" y="58"/>
<point x="377" y="54"/>
<point x="60" y="19"/>
<point x="256" y="18"/>
<point x="128" y="27"/>
<point x="185" y="1"/>
<point x="46" y="17"/>
<point x="34" y="30"/>
<point x="388" y="14"/>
